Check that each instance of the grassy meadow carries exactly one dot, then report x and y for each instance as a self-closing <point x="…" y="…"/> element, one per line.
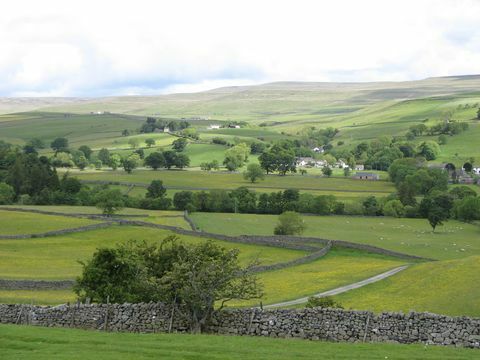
<point x="443" y="287"/>
<point x="338" y="268"/>
<point x="16" y="222"/>
<point x="26" y="342"/>
<point x="411" y="236"/>
<point x="56" y="258"/>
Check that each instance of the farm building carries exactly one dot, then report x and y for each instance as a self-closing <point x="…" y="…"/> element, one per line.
<point x="366" y="176"/>
<point x="212" y="127"/>
<point x="318" y="149"/>
<point x="359" y="167"/>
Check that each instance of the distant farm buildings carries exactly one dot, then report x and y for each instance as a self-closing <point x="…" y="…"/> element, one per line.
<point x="214" y="127"/>
<point x="366" y="176"/>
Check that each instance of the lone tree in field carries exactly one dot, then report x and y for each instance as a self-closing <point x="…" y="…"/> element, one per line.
<point x="289" y="223"/>
<point x="192" y="278"/>
<point x="254" y="172"/>
<point x="134" y="143"/>
<point x="156" y="189"/>
<point x="436" y="208"/>
<point x="327" y="171"/>
<point x="150" y="142"/>
<point x="109" y="201"/>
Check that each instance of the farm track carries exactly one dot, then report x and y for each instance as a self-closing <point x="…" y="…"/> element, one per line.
<point x="340" y="289"/>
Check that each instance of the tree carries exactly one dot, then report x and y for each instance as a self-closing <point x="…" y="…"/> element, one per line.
<point x="208" y="274"/>
<point x="327" y="171"/>
<point x="104" y="155"/>
<point x="371" y="206"/>
<point x="346" y="171"/>
<point x="468" y="167"/>
<point x="156" y="189"/>
<point x="442" y="139"/>
<point x="155" y="160"/>
<point x="150" y="142"/>
<point x="478" y="114"/>
<point x="114" y="161"/>
<point x="192" y="279"/>
<point x="59" y="144"/>
<point x="134" y="143"/>
<point x="109" y="201"/>
<point x="125" y="132"/>
<point x="290" y="223"/>
<point x="36" y="143"/>
<point x="131" y="163"/>
<point x="254" y="172"/>
<point x="182" y="161"/>
<point x="468" y="209"/>
<point x="429" y="150"/>
<point x="179" y="144"/>
<point x="183" y="200"/>
<point x="82" y="162"/>
<point x="245" y="200"/>
<point x="7" y="194"/>
<point x="87" y="151"/>
<point x="436" y="208"/>
<point x="236" y="156"/>
<point x="394" y="208"/>
<point x="170" y="158"/>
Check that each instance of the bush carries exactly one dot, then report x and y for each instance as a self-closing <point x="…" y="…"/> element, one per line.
<point x="290" y="223"/>
<point x="323" y="302"/>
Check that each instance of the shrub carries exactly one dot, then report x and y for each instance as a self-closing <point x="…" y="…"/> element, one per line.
<point x="323" y="302"/>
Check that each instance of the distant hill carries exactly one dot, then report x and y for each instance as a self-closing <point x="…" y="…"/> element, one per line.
<point x="257" y="102"/>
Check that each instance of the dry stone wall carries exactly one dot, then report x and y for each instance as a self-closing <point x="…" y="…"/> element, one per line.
<point x="313" y="324"/>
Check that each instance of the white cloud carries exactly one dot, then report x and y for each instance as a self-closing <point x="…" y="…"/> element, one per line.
<point x="91" y="48"/>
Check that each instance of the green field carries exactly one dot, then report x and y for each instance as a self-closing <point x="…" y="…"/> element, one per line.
<point x="15" y="222"/>
<point x="443" y="287"/>
<point x="339" y="267"/>
<point x="222" y="180"/>
<point x="411" y="236"/>
<point x="55" y="258"/>
<point x="26" y="342"/>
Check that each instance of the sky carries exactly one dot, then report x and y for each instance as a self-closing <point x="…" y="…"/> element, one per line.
<point x="139" y="47"/>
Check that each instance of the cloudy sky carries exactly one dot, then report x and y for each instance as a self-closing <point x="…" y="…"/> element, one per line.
<point x="99" y="48"/>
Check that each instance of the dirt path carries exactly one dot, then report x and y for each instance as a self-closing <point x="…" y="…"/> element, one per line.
<point x="341" y="289"/>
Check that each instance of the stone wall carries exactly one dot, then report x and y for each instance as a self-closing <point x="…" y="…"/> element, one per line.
<point x="313" y="324"/>
<point x="36" y="284"/>
<point x="58" y="232"/>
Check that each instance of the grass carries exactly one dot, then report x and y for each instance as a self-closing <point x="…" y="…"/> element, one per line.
<point x="445" y="287"/>
<point x="411" y="236"/>
<point x="27" y="342"/>
<point x="339" y="267"/>
<point x="219" y="180"/>
<point x="55" y="258"/>
<point x="37" y="297"/>
<point x="13" y="223"/>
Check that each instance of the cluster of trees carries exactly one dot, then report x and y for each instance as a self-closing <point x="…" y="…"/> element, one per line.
<point x="449" y="127"/>
<point x="243" y="200"/>
<point x="151" y="124"/>
<point x="279" y="158"/>
<point x="192" y="278"/>
<point x="167" y="159"/>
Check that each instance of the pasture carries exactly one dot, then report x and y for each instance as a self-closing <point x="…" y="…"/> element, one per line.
<point x="339" y="267"/>
<point x="16" y="223"/>
<point x="23" y="342"/>
<point x="410" y="236"/>
<point x="444" y="287"/>
<point x="56" y="258"/>
<point x="200" y="180"/>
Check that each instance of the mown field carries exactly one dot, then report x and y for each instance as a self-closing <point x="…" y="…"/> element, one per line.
<point x="411" y="236"/>
<point x="26" y="342"/>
